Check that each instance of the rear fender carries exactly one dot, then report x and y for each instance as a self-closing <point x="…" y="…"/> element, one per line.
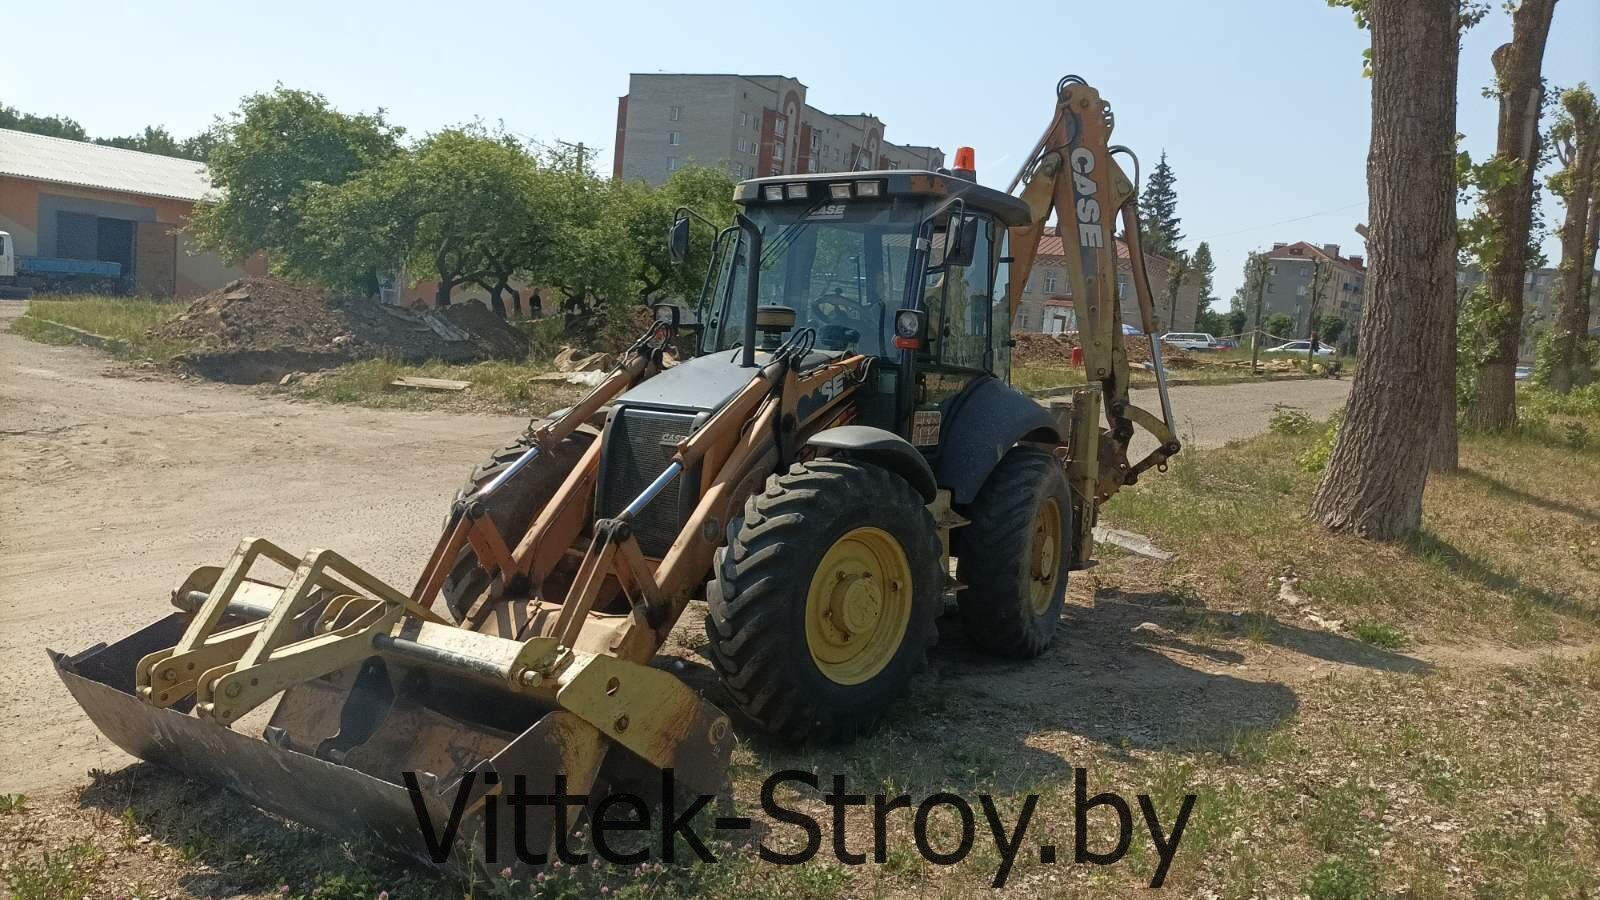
<point x="980" y="425"/>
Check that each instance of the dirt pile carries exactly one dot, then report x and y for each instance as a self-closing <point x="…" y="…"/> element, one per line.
<point x="1035" y="349"/>
<point x="258" y="329"/>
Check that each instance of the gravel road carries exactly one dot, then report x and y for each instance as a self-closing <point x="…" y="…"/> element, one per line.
<point x="114" y="487"/>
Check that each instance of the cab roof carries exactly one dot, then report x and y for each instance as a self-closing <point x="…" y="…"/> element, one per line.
<point x="900" y="182"/>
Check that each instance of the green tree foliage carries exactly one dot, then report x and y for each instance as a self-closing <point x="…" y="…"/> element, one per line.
<point x="50" y="126"/>
<point x="1158" y="211"/>
<point x="1329" y="329"/>
<point x="1278" y="325"/>
<point x="154" y="139"/>
<point x="269" y="157"/>
<point x="1469" y="12"/>
<point x="1205" y="274"/>
<point x="647" y="213"/>
<point x="462" y="206"/>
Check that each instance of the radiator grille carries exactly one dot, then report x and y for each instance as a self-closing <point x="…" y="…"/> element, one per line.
<point x="639" y="445"/>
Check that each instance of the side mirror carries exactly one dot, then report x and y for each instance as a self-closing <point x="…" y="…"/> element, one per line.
<point x="678" y="239"/>
<point x="961" y="241"/>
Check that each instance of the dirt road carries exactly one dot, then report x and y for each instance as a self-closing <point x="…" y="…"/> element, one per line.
<point x="114" y="488"/>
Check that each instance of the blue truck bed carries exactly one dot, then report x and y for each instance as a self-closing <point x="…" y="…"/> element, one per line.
<point x="44" y="265"/>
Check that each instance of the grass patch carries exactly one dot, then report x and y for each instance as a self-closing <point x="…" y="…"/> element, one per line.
<point x="1042" y="378"/>
<point x="1211" y="368"/>
<point x="12" y="803"/>
<point x="121" y="319"/>
<point x="1238" y="517"/>
<point x="505" y="387"/>
<point x="1380" y="635"/>
<point x="63" y="874"/>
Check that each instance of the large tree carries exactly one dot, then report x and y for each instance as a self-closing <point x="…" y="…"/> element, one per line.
<point x="1577" y="140"/>
<point x="1158" y="211"/>
<point x="1508" y="201"/>
<point x="154" y="139"/>
<point x="51" y="126"/>
<point x="646" y="214"/>
<point x="1205" y="274"/>
<point x="270" y="156"/>
<point x="1374" y="480"/>
<point x="594" y="264"/>
<point x="461" y="206"/>
<point x="1178" y="268"/>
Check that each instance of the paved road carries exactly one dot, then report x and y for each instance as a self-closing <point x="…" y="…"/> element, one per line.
<point x="1213" y="415"/>
<point x="113" y="488"/>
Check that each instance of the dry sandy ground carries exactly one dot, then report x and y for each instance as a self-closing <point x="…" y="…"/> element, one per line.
<point x="112" y="488"/>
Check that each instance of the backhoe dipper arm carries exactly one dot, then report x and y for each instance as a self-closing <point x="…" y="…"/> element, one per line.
<point x="1072" y="174"/>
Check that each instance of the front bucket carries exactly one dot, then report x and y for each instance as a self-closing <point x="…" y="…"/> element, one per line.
<point x="339" y="751"/>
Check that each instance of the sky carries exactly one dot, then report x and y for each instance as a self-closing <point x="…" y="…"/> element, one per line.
<point x="1259" y="104"/>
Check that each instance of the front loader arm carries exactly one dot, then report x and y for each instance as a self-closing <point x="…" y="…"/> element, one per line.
<point x="1072" y="174"/>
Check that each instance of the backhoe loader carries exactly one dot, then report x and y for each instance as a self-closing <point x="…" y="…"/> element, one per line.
<point x="841" y="429"/>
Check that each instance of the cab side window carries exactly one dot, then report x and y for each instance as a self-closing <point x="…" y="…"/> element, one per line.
<point x="959" y="303"/>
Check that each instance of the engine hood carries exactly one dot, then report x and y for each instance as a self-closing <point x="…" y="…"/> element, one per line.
<point x="702" y="384"/>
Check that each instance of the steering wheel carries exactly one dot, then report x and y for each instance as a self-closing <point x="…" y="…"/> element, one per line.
<point x="836" y="309"/>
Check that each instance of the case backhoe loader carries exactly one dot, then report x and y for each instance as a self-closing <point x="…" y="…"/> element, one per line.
<point x="844" y="430"/>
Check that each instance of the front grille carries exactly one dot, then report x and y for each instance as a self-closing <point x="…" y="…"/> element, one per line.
<point x="639" y="444"/>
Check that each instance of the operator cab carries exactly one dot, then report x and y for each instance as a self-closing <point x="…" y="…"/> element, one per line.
<point x="859" y="258"/>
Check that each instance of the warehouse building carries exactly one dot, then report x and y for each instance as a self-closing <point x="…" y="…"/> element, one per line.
<point x="65" y="199"/>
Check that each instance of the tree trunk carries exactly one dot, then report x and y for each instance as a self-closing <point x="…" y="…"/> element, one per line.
<point x="1373" y="485"/>
<point x="1582" y="373"/>
<point x="441" y="294"/>
<point x="1444" y="453"/>
<point x="1510" y="207"/>
<point x="496" y="302"/>
<point x="516" y="300"/>
<point x="1572" y="322"/>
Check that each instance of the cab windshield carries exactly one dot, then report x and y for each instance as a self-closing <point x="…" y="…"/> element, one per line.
<point x="840" y="265"/>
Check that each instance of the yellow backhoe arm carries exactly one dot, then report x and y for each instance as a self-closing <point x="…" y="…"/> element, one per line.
<point x="1071" y="173"/>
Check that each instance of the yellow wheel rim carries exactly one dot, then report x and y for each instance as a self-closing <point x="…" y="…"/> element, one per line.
<point x="858" y="606"/>
<point x="1045" y="558"/>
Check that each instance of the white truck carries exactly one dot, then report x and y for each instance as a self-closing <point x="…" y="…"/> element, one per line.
<point x="23" y="276"/>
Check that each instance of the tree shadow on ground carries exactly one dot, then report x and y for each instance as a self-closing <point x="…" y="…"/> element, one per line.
<point x="1549" y="504"/>
<point x="975" y="723"/>
<point x="1426" y="543"/>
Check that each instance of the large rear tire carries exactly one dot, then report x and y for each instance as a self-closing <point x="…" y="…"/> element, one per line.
<point x="823" y="605"/>
<point x="512" y="508"/>
<point x="1015" y="556"/>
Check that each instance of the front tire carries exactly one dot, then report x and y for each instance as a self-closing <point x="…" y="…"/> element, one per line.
<point x="512" y="508"/>
<point x="1015" y="556"/>
<point x="823" y="605"/>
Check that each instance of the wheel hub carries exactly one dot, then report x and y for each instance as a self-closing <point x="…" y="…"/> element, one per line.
<point x="1046" y="547"/>
<point x="858" y="605"/>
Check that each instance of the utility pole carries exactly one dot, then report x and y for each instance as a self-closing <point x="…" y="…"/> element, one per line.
<point x="580" y="151"/>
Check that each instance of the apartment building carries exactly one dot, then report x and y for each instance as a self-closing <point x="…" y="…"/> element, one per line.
<point x="1541" y="303"/>
<point x="1047" y="297"/>
<point x="750" y="125"/>
<point x="1292" y="268"/>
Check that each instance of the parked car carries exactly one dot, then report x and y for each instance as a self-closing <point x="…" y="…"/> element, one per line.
<point x="1523" y="373"/>
<point x="1227" y="343"/>
<point x="1189" y="340"/>
<point x="1300" y="347"/>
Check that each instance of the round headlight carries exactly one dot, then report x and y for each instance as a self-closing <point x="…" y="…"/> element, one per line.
<point x="908" y="323"/>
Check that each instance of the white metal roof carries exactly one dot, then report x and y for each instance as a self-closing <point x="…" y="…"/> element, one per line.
<point x="62" y="161"/>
